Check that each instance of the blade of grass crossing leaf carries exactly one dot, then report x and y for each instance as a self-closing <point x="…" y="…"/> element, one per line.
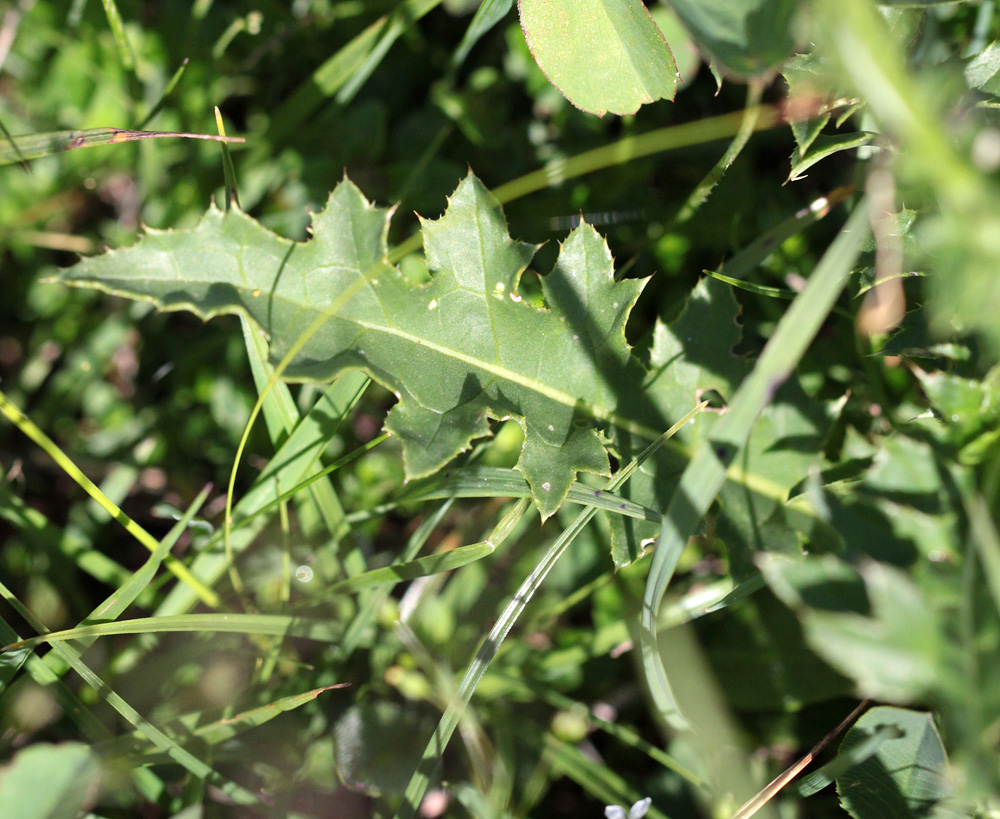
<point x="23" y="423"/>
<point x="169" y="746"/>
<point x="489" y="13"/>
<point x="496" y="482"/>
<point x="844" y="761"/>
<point x="232" y="198"/>
<point x="705" y="474"/>
<point x="420" y="780"/>
<point x="748" y="124"/>
<point x="281" y="415"/>
<point x="117" y="25"/>
<point x="767" y="793"/>
<point x="167" y="91"/>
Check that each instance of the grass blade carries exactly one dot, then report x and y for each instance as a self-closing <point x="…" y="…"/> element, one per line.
<point x="167" y="91"/>
<point x="505" y="622"/>
<point x="706" y="472"/>
<point x="278" y="625"/>
<point x="186" y="759"/>
<point x="117" y="25"/>
<point x="489" y="13"/>
<point x="34" y="146"/>
<point x="26" y="426"/>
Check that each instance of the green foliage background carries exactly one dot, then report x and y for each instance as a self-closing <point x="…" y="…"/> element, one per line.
<point x="855" y="555"/>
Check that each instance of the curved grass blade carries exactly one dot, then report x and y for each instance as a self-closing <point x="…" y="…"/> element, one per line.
<point x="296" y="456"/>
<point x="26" y="426"/>
<point x="705" y="474"/>
<point x="494" y="482"/>
<point x="34" y="146"/>
<point x="505" y="622"/>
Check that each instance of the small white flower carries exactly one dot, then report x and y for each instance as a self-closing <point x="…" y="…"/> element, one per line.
<point x="637" y="811"/>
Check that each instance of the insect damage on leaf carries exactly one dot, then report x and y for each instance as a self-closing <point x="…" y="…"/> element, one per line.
<point x="458" y="351"/>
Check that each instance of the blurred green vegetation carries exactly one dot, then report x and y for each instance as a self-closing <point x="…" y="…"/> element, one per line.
<point x="901" y="543"/>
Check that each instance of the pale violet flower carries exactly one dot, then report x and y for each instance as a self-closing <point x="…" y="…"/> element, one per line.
<point x="637" y="811"/>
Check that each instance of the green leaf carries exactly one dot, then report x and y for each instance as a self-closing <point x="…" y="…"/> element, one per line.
<point x="604" y="55"/>
<point x="882" y="634"/>
<point x="49" y="781"/>
<point x="746" y="38"/>
<point x="462" y="349"/>
<point x="905" y="777"/>
<point x="823" y="146"/>
<point x="983" y="71"/>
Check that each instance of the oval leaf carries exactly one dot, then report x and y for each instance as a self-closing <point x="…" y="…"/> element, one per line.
<point x="603" y="55"/>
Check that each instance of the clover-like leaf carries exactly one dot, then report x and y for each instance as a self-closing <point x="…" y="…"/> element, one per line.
<point x="457" y="351"/>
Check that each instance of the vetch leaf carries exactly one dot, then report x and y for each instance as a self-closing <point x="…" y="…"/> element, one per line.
<point x="884" y="636"/>
<point x="604" y="55"/>
<point x="457" y="351"/>
<point x="905" y="777"/>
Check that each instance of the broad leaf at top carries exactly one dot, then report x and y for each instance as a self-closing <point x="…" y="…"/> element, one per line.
<point x="457" y="351"/>
<point x="604" y="55"/>
<point x="747" y="38"/>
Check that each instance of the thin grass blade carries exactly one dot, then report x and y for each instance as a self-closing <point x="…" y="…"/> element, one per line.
<point x="186" y="759"/>
<point x="26" y="426"/>
<point x="420" y="780"/>
<point x="34" y="146"/>
<point x="706" y="473"/>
